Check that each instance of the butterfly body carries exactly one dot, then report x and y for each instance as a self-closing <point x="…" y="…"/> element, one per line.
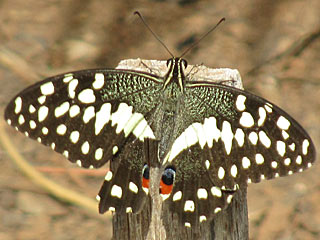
<point x="209" y="139"/>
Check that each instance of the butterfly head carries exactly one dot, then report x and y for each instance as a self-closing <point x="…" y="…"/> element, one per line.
<point x="176" y="67"/>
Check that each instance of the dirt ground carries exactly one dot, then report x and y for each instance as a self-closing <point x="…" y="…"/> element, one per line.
<point x="274" y="44"/>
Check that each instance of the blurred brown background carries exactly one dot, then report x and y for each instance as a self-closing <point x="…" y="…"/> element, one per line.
<point x="274" y="44"/>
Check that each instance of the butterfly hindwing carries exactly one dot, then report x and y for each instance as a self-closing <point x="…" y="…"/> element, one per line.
<point x="122" y="189"/>
<point x="195" y="199"/>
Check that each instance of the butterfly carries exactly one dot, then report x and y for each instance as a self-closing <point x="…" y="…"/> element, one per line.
<point x="209" y="139"/>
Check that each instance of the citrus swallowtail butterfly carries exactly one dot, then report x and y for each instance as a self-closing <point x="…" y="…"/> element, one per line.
<point x="210" y="139"/>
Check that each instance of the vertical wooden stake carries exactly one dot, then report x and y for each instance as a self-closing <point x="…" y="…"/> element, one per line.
<point x="229" y="224"/>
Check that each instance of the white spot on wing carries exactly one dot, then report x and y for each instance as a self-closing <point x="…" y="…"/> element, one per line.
<point x="132" y="123"/>
<point x="240" y="102"/>
<point x="85" y="147"/>
<point x="299" y="160"/>
<point x="246" y="162"/>
<point x="177" y="196"/>
<point x="227" y="136"/>
<point x="211" y="130"/>
<point x="146" y="190"/>
<point x="74" y="136"/>
<point x="190" y="135"/>
<point x="133" y="187"/>
<point x="78" y="162"/>
<point x="115" y="150"/>
<point x="283" y="123"/>
<point x="287" y="161"/>
<point x="102" y="117"/>
<point x="72" y="87"/>
<point x="108" y="176"/>
<point x="202" y="218"/>
<point x="121" y="117"/>
<point x="116" y="191"/>
<point x="202" y="193"/>
<point x="268" y="107"/>
<point x="32" y="124"/>
<point x="239" y="136"/>
<point x="62" y="129"/>
<point x="128" y="209"/>
<point x="207" y="163"/>
<point x="234" y="171"/>
<point x="21" y="119"/>
<point x="221" y="173"/>
<point x="262" y="116"/>
<point x="229" y="198"/>
<point x="259" y="158"/>
<point x="264" y="139"/>
<point x="305" y="145"/>
<point x="87" y="96"/>
<point x="142" y="131"/>
<point x="88" y="114"/>
<point x="18" y="105"/>
<point x="189" y="206"/>
<point x="99" y="81"/>
<point x="246" y="120"/>
<point x="74" y="110"/>
<point x="274" y="164"/>
<point x="285" y="135"/>
<point x="41" y="99"/>
<point x="65" y="153"/>
<point x="292" y="146"/>
<point x="45" y="131"/>
<point x="32" y="109"/>
<point x="216" y="210"/>
<point x="215" y="191"/>
<point x="98" y="154"/>
<point x="67" y="77"/>
<point x="47" y="88"/>
<point x="42" y="113"/>
<point x="253" y="137"/>
<point x="200" y="134"/>
<point x="62" y="109"/>
<point x="281" y="148"/>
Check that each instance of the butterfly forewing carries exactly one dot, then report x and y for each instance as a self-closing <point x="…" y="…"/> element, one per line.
<point x="248" y="138"/>
<point x="86" y="115"/>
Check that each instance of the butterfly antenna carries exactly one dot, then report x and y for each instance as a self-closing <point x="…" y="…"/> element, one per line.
<point x="155" y="35"/>
<point x="200" y="39"/>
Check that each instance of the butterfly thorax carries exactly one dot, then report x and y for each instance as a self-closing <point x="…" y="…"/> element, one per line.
<point x="168" y="123"/>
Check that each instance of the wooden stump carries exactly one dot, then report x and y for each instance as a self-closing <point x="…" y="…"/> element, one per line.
<point x="157" y="223"/>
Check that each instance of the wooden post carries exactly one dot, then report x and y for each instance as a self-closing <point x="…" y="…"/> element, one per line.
<point x="157" y="223"/>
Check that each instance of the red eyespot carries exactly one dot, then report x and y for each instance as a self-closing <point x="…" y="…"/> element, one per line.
<point x="166" y="182"/>
<point x="145" y="176"/>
